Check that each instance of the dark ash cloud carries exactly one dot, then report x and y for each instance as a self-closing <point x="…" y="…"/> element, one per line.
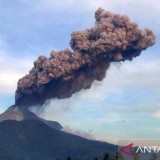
<point x="113" y="38"/>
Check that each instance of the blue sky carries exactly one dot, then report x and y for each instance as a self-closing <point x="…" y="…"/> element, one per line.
<point x="126" y="105"/>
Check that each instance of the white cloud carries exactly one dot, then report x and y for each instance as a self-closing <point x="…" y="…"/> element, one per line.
<point x="145" y="16"/>
<point x="124" y="5"/>
<point x="53" y="109"/>
<point x="157" y="113"/>
<point x="90" y="106"/>
<point x="56" y="108"/>
<point x="84" y="134"/>
<point x="135" y="74"/>
<point x="49" y="5"/>
<point x="11" y="69"/>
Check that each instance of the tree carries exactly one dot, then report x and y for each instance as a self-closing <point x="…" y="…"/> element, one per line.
<point x="119" y="156"/>
<point x="136" y="154"/>
<point x="116" y="158"/>
<point x="106" y="156"/>
<point x="154" y="156"/>
<point x="68" y="158"/>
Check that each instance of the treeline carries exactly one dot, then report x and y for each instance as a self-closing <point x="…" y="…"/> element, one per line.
<point x="119" y="156"/>
<point x="106" y="157"/>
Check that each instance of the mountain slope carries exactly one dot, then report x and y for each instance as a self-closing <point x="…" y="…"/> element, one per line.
<point x="22" y="113"/>
<point x="34" y="140"/>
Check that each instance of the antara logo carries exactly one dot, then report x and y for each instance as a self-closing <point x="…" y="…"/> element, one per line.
<point x="128" y="149"/>
<point x="150" y="149"/>
<point x="125" y="150"/>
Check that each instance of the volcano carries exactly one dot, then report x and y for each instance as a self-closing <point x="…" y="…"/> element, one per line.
<point x="32" y="139"/>
<point x="19" y="114"/>
<point x="23" y="135"/>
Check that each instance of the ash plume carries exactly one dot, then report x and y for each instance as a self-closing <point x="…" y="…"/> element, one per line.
<point x="113" y="38"/>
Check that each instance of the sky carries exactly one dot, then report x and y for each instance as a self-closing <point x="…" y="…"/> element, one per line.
<point x="126" y="105"/>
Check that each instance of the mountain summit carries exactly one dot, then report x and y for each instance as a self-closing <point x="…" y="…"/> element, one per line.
<point x="22" y="113"/>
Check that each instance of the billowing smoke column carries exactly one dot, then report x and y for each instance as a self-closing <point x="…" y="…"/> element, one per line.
<point x="113" y="38"/>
